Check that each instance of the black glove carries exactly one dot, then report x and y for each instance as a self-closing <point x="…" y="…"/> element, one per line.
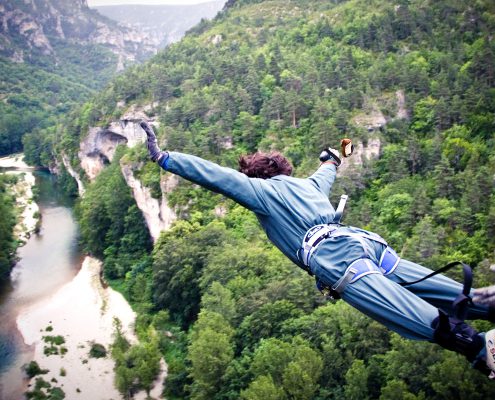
<point x="330" y="154"/>
<point x="152" y="144"/>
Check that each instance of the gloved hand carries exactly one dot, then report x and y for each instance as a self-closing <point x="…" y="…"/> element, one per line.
<point x="330" y="154"/>
<point x="485" y="295"/>
<point x="152" y="143"/>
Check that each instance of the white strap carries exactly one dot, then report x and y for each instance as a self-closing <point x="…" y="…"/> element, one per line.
<point x="340" y="209"/>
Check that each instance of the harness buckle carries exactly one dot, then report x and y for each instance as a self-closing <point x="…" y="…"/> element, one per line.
<point x="313" y="238"/>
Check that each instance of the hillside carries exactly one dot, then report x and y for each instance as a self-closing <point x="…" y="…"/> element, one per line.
<point x="35" y="28"/>
<point x="165" y="23"/>
<point x="412" y="82"/>
<point x="53" y="55"/>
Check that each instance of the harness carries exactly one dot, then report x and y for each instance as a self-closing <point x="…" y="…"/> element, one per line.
<point x="387" y="264"/>
<point x="358" y="268"/>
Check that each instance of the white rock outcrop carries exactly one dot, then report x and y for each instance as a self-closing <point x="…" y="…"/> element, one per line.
<point x="22" y="191"/>
<point x="74" y="174"/>
<point x="402" y="112"/>
<point x="98" y="147"/>
<point x="157" y="214"/>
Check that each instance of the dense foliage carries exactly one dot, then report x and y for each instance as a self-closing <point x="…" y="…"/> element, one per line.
<point x="7" y="222"/>
<point x="112" y="227"/>
<point x="295" y="76"/>
<point x="36" y="94"/>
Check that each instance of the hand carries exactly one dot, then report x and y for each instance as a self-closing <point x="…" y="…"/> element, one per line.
<point x="485" y="295"/>
<point x="330" y="154"/>
<point x="151" y="143"/>
<point x="148" y="130"/>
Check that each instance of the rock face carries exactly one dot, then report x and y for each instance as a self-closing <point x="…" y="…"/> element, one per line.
<point x="164" y="24"/>
<point x="74" y="174"/>
<point x="157" y="214"/>
<point x="373" y="120"/>
<point x="362" y="153"/>
<point x="402" y="112"/>
<point x="27" y="209"/>
<point x="98" y="148"/>
<point x="32" y="27"/>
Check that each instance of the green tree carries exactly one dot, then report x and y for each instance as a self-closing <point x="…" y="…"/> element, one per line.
<point x="356" y="378"/>
<point x="210" y="352"/>
<point x="263" y="388"/>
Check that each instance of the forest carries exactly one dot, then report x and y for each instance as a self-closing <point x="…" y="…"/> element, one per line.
<point x="8" y="243"/>
<point x="232" y="317"/>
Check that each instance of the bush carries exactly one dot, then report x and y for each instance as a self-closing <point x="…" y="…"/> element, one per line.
<point x="32" y="369"/>
<point x="97" y="351"/>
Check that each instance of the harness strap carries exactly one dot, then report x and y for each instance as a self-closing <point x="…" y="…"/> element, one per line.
<point x="355" y="271"/>
<point x="340" y="209"/>
<point x="312" y="239"/>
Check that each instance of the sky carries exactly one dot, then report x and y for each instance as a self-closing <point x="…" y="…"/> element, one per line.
<point x="92" y="3"/>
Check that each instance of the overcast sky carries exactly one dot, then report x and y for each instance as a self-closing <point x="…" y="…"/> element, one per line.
<point x="114" y="2"/>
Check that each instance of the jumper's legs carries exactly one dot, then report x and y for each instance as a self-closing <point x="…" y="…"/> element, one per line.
<point x="439" y="290"/>
<point x="394" y="306"/>
<point x="412" y="317"/>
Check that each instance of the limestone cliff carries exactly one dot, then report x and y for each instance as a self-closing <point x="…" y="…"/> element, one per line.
<point x="30" y="28"/>
<point x="98" y="149"/>
<point x="373" y="120"/>
<point x="157" y="214"/>
<point x="74" y="174"/>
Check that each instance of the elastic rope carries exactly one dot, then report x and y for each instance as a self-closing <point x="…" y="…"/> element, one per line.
<point x="443" y="269"/>
<point x="460" y="304"/>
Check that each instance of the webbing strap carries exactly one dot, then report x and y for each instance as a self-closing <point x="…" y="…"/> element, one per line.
<point x="340" y="209"/>
<point x="460" y="304"/>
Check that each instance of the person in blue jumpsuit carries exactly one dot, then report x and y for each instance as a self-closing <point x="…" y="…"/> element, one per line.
<point x="357" y="265"/>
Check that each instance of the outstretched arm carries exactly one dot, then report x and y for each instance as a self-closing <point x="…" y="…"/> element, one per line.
<point x="330" y="161"/>
<point x="229" y="182"/>
<point x="324" y="177"/>
<point x="485" y="295"/>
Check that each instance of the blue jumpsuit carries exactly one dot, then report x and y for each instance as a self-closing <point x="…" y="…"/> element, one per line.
<point x="288" y="207"/>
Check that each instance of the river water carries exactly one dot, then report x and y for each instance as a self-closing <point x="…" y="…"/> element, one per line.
<point x="48" y="261"/>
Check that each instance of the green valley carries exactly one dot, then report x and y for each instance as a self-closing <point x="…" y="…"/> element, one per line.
<point x="417" y="77"/>
<point x="412" y="82"/>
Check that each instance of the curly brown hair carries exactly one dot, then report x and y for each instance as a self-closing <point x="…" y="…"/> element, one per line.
<point x="264" y="165"/>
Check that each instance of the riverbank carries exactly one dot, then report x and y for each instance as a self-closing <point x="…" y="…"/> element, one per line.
<point x="82" y="313"/>
<point x="27" y="209"/>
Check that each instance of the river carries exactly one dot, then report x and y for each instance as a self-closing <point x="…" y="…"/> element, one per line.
<point x="55" y="291"/>
<point x="47" y="261"/>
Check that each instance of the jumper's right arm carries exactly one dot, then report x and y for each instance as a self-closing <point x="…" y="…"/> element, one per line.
<point x="229" y="182"/>
<point x="324" y="177"/>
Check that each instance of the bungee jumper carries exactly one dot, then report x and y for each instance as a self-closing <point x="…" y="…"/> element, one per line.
<point x="347" y="262"/>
